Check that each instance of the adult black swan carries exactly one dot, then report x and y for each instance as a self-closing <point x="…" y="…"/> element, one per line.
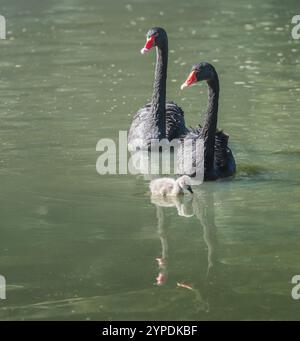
<point x="218" y="159"/>
<point x="158" y="119"/>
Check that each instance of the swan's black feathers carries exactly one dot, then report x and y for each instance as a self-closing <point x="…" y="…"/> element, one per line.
<point x="221" y="149"/>
<point x="175" y="125"/>
<point x="224" y="163"/>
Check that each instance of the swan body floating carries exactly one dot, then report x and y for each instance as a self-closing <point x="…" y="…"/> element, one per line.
<point x="170" y="187"/>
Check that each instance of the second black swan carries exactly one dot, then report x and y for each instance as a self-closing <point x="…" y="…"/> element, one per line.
<point x="218" y="159"/>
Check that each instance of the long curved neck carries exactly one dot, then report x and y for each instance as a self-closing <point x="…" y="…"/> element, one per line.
<point x="158" y="102"/>
<point x="210" y="126"/>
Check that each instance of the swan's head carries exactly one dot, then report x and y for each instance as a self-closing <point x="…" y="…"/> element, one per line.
<point x="200" y="72"/>
<point x="184" y="182"/>
<point x="156" y="36"/>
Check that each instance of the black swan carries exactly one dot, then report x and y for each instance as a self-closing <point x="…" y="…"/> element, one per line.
<point x="218" y="159"/>
<point x="158" y="119"/>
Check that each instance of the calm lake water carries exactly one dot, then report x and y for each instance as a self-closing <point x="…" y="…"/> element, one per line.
<point x="77" y="245"/>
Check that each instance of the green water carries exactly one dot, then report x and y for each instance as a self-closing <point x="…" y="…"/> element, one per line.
<point x="77" y="245"/>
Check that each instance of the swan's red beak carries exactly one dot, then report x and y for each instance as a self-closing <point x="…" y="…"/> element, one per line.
<point x="149" y="44"/>
<point x="192" y="78"/>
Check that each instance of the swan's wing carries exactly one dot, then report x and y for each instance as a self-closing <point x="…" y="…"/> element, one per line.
<point x="162" y="182"/>
<point x="139" y="119"/>
<point x="138" y="129"/>
<point x="224" y="160"/>
<point x="224" y="163"/>
<point x="221" y="145"/>
<point x="175" y="124"/>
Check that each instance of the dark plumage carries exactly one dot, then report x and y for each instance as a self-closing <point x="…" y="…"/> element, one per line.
<point x="165" y="120"/>
<point x="218" y="159"/>
<point x="158" y="119"/>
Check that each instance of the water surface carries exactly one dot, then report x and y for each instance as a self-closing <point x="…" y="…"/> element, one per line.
<point x="77" y="245"/>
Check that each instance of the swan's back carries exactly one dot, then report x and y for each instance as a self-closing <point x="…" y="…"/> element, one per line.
<point x="175" y="124"/>
<point x="224" y="164"/>
<point x="139" y="129"/>
<point x="162" y="186"/>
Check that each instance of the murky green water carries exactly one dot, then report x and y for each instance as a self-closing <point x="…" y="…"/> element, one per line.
<point x="77" y="245"/>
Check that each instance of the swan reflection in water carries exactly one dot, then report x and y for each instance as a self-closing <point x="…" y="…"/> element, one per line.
<point x="201" y="206"/>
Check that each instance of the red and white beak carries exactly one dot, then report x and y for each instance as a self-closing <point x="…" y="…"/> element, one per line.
<point x="149" y="44"/>
<point x="192" y="78"/>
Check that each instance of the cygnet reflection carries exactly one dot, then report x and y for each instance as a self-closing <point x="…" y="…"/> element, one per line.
<point x="201" y="206"/>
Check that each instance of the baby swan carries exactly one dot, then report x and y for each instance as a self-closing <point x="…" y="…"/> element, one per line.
<point x="170" y="187"/>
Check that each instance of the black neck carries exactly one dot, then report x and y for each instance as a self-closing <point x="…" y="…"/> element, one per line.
<point x="158" y="102"/>
<point x="210" y="126"/>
